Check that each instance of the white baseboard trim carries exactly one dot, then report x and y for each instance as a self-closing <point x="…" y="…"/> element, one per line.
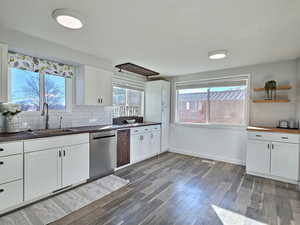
<point x="206" y="156"/>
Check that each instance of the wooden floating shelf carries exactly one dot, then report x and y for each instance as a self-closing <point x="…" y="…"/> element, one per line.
<point x="271" y="101"/>
<point x="284" y="87"/>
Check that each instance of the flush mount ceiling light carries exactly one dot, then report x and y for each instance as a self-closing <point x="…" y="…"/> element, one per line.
<point x="68" y="18"/>
<point x="218" y="54"/>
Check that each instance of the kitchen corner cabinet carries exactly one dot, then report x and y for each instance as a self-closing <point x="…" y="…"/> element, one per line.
<point x="3" y="72"/>
<point x="64" y="164"/>
<point x="273" y="155"/>
<point x="93" y="86"/>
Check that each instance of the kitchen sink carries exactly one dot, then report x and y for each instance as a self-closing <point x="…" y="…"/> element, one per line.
<point x="50" y="131"/>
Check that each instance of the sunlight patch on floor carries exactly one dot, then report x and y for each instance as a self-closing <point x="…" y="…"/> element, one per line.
<point x="231" y="218"/>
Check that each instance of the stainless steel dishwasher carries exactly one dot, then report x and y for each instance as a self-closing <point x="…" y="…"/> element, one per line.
<point x="103" y="153"/>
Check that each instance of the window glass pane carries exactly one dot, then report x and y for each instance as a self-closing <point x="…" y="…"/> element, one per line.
<point x="55" y="92"/>
<point x="192" y="105"/>
<point x="227" y="105"/>
<point x="127" y="102"/>
<point x="25" y="89"/>
<point x="119" y="96"/>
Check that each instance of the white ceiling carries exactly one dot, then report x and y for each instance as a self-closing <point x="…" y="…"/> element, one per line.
<point x="170" y="36"/>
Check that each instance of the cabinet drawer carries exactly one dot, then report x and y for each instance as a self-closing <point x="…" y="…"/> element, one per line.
<point x="155" y="128"/>
<point x="11" y="194"/>
<point x="55" y="142"/>
<point x="280" y="137"/>
<point x="137" y="130"/>
<point x="11" y="168"/>
<point x="290" y="138"/>
<point x="11" y="148"/>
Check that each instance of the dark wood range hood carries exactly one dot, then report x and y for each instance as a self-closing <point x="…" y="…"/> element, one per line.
<point x="130" y="67"/>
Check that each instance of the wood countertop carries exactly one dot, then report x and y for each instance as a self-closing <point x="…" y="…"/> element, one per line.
<point x="25" y="135"/>
<point x="274" y="129"/>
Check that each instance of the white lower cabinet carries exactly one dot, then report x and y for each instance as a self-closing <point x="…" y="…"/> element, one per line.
<point x="145" y="142"/>
<point x="48" y="170"/>
<point x="75" y="164"/>
<point x="258" y="156"/>
<point x="270" y="155"/>
<point x="11" y="194"/>
<point x="42" y="173"/>
<point x="285" y="160"/>
<point x="11" y="174"/>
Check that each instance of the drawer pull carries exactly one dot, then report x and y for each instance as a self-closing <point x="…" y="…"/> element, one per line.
<point x="1" y="149"/>
<point x="258" y="135"/>
<point x="1" y="190"/>
<point x="284" y="138"/>
<point x="1" y="163"/>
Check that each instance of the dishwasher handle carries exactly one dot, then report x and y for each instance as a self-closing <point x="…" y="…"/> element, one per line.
<point x="101" y="137"/>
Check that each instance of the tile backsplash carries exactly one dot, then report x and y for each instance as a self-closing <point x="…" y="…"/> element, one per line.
<point x="80" y="116"/>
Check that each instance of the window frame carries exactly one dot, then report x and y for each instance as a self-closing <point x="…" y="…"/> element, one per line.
<point x="135" y="89"/>
<point x="68" y="93"/>
<point x="245" y="77"/>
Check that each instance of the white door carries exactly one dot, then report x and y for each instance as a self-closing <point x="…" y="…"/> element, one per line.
<point x="155" y="143"/>
<point x="135" y="151"/>
<point x="42" y="173"/>
<point x="258" y="157"/>
<point x="75" y="164"/>
<point x="284" y="160"/>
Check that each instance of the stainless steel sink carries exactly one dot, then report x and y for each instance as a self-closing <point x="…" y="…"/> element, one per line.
<point x="50" y="131"/>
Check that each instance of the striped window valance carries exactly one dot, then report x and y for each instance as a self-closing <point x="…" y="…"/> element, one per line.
<point x="127" y="80"/>
<point x="25" y="62"/>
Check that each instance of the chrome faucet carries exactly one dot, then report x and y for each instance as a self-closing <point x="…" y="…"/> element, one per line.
<point x="60" y="122"/>
<point x="45" y="111"/>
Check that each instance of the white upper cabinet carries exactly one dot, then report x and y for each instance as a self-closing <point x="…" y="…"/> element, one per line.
<point x="93" y="86"/>
<point x="3" y="72"/>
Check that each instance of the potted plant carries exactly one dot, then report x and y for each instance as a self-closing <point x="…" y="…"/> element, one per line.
<point x="9" y="110"/>
<point x="270" y="88"/>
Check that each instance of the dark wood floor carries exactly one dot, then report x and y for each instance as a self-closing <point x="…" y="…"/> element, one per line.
<point x="183" y="190"/>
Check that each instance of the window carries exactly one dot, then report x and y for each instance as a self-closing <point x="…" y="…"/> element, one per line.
<point x="25" y="89"/>
<point x="216" y="103"/>
<point x="128" y="102"/>
<point x="33" y="81"/>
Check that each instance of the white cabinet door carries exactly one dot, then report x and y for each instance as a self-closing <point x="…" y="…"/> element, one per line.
<point x="155" y="143"/>
<point x="285" y="160"/>
<point x="146" y="149"/>
<point x="135" y="151"/>
<point x="42" y="173"/>
<point x="75" y="164"/>
<point x="98" y="86"/>
<point x="258" y="157"/>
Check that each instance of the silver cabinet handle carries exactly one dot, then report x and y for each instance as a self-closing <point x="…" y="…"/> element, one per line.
<point x="268" y="146"/>
<point x="284" y="138"/>
<point x="258" y="135"/>
<point x="59" y="153"/>
<point x="1" y="149"/>
<point x="64" y="151"/>
<point x="1" y="162"/>
<point x="1" y="190"/>
<point x="272" y="146"/>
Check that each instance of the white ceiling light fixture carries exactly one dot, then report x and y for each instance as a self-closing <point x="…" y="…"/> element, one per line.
<point x="218" y="54"/>
<point x="68" y="18"/>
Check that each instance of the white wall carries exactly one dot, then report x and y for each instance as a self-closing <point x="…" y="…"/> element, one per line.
<point x="26" y="44"/>
<point x="229" y="144"/>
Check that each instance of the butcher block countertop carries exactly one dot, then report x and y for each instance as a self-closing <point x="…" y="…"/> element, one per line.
<point x="274" y="129"/>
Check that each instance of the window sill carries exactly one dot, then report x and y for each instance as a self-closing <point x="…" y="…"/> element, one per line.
<point x="211" y="126"/>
